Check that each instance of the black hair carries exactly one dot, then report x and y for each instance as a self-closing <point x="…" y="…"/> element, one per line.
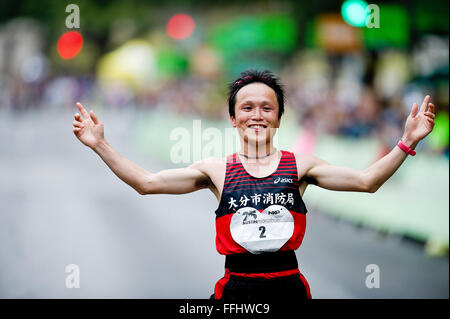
<point x="251" y="76"/>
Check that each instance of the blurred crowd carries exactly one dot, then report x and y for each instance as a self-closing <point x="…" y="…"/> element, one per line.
<point x="354" y="94"/>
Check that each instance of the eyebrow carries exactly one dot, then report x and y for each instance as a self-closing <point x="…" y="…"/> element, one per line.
<point x="255" y="102"/>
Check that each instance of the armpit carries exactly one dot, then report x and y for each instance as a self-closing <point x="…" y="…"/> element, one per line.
<point x="203" y="183"/>
<point x="308" y="180"/>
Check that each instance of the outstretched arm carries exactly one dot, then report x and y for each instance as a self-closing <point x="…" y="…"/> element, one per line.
<point x="419" y="124"/>
<point x="90" y="131"/>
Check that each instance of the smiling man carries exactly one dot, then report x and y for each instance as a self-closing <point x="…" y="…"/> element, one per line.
<point x="261" y="217"/>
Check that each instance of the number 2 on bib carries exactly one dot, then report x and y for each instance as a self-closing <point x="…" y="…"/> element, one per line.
<point x="263" y="230"/>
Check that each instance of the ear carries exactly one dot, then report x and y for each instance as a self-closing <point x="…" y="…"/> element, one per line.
<point x="233" y="121"/>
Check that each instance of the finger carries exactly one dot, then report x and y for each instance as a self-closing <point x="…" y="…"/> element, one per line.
<point x="94" y="117"/>
<point x="82" y="110"/>
<point x="76" y="130"/>
<point x="430" y="114"/>
<point x="414" y="110"/>
<point x="78" y="118"/>
<point x="431" y="108"/>
<point x="77" y="124"/>
<point x="423" y="107"/>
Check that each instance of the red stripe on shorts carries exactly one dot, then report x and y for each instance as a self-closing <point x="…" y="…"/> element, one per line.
<point x="305" y="283"/>
<point x="267" y="275"/>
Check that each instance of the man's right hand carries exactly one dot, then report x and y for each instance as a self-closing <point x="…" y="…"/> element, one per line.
<point x="88" y="129"/>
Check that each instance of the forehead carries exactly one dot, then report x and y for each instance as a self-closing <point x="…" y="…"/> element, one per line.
<point x="256" y="92"/>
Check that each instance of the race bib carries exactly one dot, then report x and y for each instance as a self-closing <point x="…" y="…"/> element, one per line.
<point x="265" y="231"/>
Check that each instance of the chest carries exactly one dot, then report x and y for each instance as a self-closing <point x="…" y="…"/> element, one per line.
<point x="217" y="173"/>
<point x="260" y="170"/>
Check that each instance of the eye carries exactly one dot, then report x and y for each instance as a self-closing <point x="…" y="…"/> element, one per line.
<point x="247" y="107"/>
<point x="267" y="108"/>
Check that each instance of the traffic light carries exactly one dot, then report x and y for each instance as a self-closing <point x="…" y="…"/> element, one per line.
<point x="355" y="12"/>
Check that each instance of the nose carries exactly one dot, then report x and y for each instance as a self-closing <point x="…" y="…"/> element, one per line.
<point x="257" y="113"/>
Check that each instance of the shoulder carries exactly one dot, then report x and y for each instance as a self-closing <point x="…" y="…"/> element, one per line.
<point x="213" y="169"/>
<point x="210" y="161"/>
<point x="210" y="164"/>
<point x="307" y="161"/>
<point x="304" y="158"/>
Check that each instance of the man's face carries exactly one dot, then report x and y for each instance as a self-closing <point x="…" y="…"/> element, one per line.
<point x="256" y="113"/>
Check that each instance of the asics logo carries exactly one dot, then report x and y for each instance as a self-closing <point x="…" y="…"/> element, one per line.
<point x="283" y="180"/>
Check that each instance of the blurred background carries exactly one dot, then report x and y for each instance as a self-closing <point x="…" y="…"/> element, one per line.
<point x="351" y="72"/>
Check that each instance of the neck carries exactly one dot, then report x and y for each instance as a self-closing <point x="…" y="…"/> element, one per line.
<point x="256" y="151"/>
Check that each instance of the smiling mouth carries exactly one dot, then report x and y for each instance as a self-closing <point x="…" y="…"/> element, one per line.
<point x="258" y="127"/>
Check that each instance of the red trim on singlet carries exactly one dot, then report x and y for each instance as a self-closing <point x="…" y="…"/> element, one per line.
<point x="299" y="231"/>
<point x="225" y="243"/>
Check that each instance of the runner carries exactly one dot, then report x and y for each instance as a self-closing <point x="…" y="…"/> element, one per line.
<point x="261" y="217"/>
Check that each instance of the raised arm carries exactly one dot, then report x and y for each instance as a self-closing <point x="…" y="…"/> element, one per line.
<point x="418" y="125"/>
<point x="90" y="131"/>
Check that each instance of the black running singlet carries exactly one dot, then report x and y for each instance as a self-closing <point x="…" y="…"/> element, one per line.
<point x="260" y="215"/>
